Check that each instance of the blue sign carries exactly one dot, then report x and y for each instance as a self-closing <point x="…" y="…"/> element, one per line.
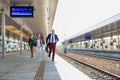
<point x="21" y="11"/>
<point x="87" y="36"/>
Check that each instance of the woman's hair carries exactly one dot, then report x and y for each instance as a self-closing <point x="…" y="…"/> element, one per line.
<point x="31" y="35"/>
<point x="38" y="36"/>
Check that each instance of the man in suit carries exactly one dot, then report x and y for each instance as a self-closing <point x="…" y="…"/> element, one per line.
<point x="52" y="40"/>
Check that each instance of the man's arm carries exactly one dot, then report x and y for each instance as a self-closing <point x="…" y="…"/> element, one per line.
<point x="47" y="38"/>
<point x="57" y="38"/>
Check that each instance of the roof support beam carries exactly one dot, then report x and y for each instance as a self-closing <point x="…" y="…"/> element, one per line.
<point x="3" y="34"/>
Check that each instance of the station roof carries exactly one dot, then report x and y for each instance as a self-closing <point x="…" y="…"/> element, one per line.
<point x="43" y="14"/>
<point x="107" y="25"/>
<point x="99" y="25"/>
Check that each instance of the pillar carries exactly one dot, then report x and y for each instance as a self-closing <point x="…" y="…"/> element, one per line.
<point x="21" y="39"/>
<point x="3" y="34"/>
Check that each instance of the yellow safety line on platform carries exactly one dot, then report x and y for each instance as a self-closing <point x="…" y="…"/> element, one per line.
<point x="40" y="72"/>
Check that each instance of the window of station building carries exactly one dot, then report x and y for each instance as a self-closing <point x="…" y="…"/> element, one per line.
<point x="115" y="42"/>
<point x="16" y="40"/>
<point x="9" y="48"/>
<point x="6" y="38"/>
<point x="97" y="46"/>
<point x="0" y="42"/>
<point x="0" y="35"/>
<point x="0" y="48"/>
<point x="106" y="43"/>
<point x="11" y="39"/>
<point x="106" y="38"/>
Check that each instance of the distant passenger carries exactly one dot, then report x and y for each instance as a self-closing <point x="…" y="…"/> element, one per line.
<point x="52" y="40"/>
<point x="39" y="46"/>
<point x="32" y="43"/>
<point x="43" y="43"/>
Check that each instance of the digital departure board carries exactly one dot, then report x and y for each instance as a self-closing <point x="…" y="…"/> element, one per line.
<point x="21" y="11"/>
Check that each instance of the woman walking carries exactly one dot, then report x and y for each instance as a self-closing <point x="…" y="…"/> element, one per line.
<point x="38" y="46"/>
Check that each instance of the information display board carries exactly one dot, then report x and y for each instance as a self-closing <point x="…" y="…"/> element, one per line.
<point x="21" y="11"/>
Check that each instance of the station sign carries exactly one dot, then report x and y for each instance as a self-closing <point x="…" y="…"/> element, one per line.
<point x="87" y="36"/>
<point x="21" y="11"/>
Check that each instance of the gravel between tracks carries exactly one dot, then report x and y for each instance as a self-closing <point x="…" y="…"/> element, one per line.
<point x="100" y="63"/>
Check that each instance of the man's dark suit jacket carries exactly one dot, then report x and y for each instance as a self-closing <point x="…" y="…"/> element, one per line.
<point x="48" y="38"/>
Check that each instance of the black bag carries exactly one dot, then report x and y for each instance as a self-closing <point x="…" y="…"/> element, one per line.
<point x="47" y="48"/>
<point x="35" y="44"/>
<point x="48" y="44"/>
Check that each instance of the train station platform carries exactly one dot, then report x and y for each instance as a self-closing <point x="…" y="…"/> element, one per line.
<point x="22" y="67"/>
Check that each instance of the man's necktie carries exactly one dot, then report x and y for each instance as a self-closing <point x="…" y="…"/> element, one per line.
<point x="52" y="38"/>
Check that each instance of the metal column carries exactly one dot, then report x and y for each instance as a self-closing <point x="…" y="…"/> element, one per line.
<point x="118" y="33"/>
<point x="102" y="40"/>
<point x="111" y="41"/>
<point x="101" y="43"/>
<point x="3" y="34"/>
<point x="21" y="39"/>
<point x="118" y="40"/>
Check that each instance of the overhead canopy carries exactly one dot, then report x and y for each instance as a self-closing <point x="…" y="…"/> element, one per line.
<point x="106" y="28"/>
<point x="43" y="14"/>
<point x="13" y="27"/>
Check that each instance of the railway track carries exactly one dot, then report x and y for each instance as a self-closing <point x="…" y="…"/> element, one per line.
<point x="103" y="54"/>
<point x="93" y="72"/>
